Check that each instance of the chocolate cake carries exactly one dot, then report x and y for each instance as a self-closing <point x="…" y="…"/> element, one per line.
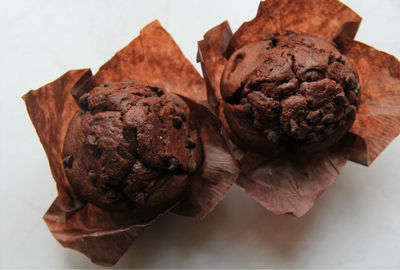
<point x="131" y="145"/>
<point x="291" y="91"/>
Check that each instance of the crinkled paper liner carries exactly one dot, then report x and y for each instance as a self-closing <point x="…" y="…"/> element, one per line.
<point x="153" y="57"/>
<point x="292" y="184"/>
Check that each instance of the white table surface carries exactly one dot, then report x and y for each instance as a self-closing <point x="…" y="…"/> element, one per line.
<point x="356" y="223"/>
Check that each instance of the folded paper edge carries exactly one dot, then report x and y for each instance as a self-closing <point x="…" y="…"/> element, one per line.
<point x="361" y="151"/>
<point x="189" y="207"/>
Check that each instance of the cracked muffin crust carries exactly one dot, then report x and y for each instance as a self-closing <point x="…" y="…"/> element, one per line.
<point x="291" y="91"/>
<point x="131" y="146"/>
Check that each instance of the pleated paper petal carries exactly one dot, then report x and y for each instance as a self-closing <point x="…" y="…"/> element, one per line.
<point x="219" y="171"/>
<point x="51" y="108"/>
<point x="322" y="18"/>
<point x="378" y="117"/>
<point x="291" y="184"/>
<point x="152" y="57"/>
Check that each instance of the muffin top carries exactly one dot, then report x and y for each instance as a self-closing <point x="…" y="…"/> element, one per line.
<point x="289" y="91"/>
<point x="131" y="145"/>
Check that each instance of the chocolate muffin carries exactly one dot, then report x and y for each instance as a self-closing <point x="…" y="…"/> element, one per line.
<point x="131" y="146"/>
<point x="289" y="91"/>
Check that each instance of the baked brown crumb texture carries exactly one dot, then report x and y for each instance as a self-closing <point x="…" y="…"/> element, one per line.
<point x="131" y="146"/>
<point x="292" y="91"/>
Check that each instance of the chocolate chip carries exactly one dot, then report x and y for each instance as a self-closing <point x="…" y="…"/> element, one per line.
<point x="177" y="122"/>
<point x="273" y="39"/>
<point x="192" y="165"/>
<point x="173" y="164"/>
<point x="329" y="108"/>
<point x="67" y="161"/>
<point x="340" y="60"/>
<point x="313" y="116"/>
<point x="340" y="100"/>
<point x="328" y="118"/>
<point x="182" y="115"/>
<point x="127" y="82"/>
<point x="97" y="151"/>
<point x="335" y="58"/>
<point x="158" y="91"/>
<point x="308" y="43"/>
<point x="189" y="143"/>
<point x="332" y="58"/>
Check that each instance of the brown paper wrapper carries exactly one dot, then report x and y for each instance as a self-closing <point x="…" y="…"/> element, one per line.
<point x="322" y="18"/>
<point x="154" y="57"/>
<point x="219" y="171"/>
<point x="151" y="57"/>
<point x="51" y="108"/>
<point x="378" y="117"/>
<point x="289" y="184"/>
